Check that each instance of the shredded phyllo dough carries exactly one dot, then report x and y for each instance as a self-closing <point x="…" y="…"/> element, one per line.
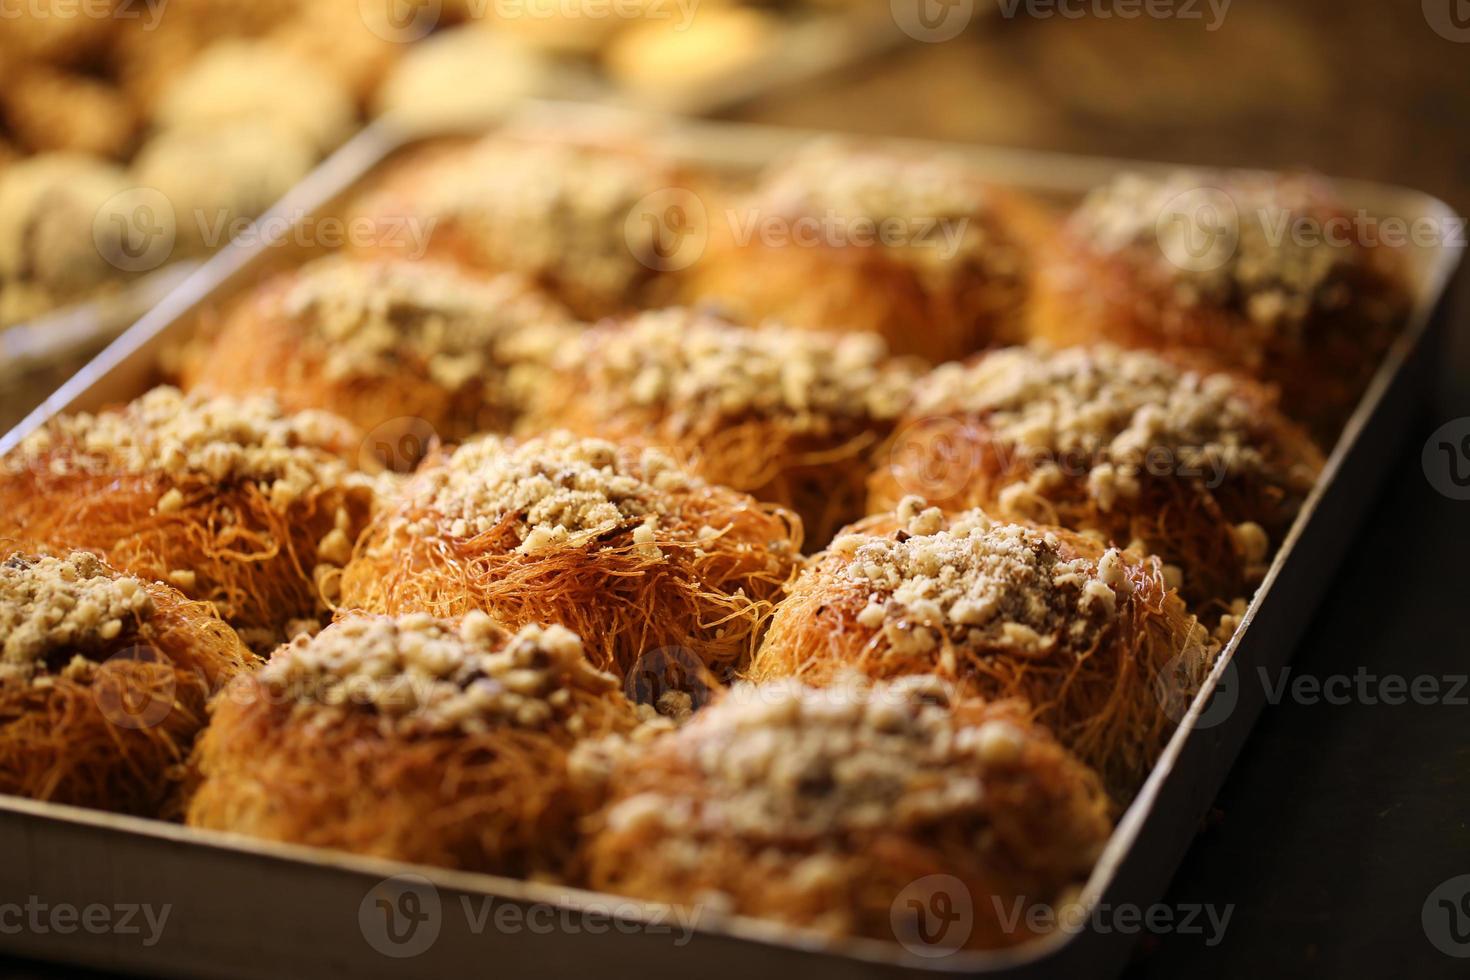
<point x="970" y="581"/>
<point x="546" y="206"/>
<point x="931" y="197"/>
<point x="369" y="314"/>
<point x="1108" y="407"/>
<point x="1253" y="260"/>
<point x="561" y="488"/>
<point x="422" y="674"/>
<point x="692" y="364"/>
<point x="74" y="604"/>
<point x="222" y="439"/>
<point x="786" y="762"/>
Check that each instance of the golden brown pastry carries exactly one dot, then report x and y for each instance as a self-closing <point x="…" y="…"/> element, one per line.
<point x="103" y="682"/>
<point x="412" y="738"/>
<point x="1266" y="274"/>
<point x="1084" y="635"/>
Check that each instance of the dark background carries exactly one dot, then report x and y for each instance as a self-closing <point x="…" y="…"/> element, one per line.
<point x="1338" y="821"/>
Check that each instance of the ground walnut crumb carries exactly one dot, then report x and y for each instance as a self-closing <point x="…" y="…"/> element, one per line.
<point x="690" y="365"/>
<point x="420" y="674"/>
<point x="547" y="207"/>
<point x="49" y="605"/>
<point x="966" y="581"/>
<point x="367" y="316"/>
<point x="221" y="438"/>
<point x="1117" y="412"/>
<point x="930" y="210"/>
<point x="559" y="486"/>
<point x="1253" y="261"/>
<point x="781" y="761"/>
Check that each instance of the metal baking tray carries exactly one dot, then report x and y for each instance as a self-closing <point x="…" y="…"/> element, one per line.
<point x="246" y="908"/>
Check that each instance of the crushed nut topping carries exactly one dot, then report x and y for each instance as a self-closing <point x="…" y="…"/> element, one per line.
<point x="547" y="207"/>
<point x="222" y="438"/>
<point x="559" y="487"/>
<point x="690" y="364"/>
<point x="369" y="314"/>
<point x="1107" y="407"/>
<point x="966" y="581"/>
<point x="76" y="604"/>
<point x="781" y="760"/>
<point x="420" y="674"/>
<point x="1251" y="261"/>
<point x="928" y="209"/>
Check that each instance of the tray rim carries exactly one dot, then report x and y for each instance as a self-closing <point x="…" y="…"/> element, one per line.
<point x="1043" y="171"/>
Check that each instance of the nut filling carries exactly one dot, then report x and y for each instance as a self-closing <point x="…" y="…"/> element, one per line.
<point x="782" y="761"/>
<point x="426" y="675"/>
<point x="49" y="605"/>
<point x="690" y="364"/>
<point x="1116" y="410"/>
<point x="224" y="439"/>
<point x="367" y="314"/>
<point x="967" y="581"/>
<point x="561" y="488"/>
<point x="1253" y="261"/>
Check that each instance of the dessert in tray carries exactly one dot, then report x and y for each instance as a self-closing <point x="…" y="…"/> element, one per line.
<point x="771" y="581"/>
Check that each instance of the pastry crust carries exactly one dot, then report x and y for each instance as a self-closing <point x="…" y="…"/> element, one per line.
<point x="919" y="251"/>
<point x="103" y="683"/>
<point x="832" y="810"/>
<point x="1263" y="274"/>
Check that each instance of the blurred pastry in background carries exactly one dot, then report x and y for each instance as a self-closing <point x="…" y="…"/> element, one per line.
<point x="50" y="32"/>
<point x="53" y="241"/>
<point x="338" y="38"/>
<point x="566" y="214"/>
<point x="1267" y="274"/>
<point x="460" y="77"/>
<point x="658" y="58"/>
<point x="48" y="110"/>
<point x="221" y="174"/>
<point x="565" y="27"/>
<point x="917" y="249"/>
<point x="237" y="80"/>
